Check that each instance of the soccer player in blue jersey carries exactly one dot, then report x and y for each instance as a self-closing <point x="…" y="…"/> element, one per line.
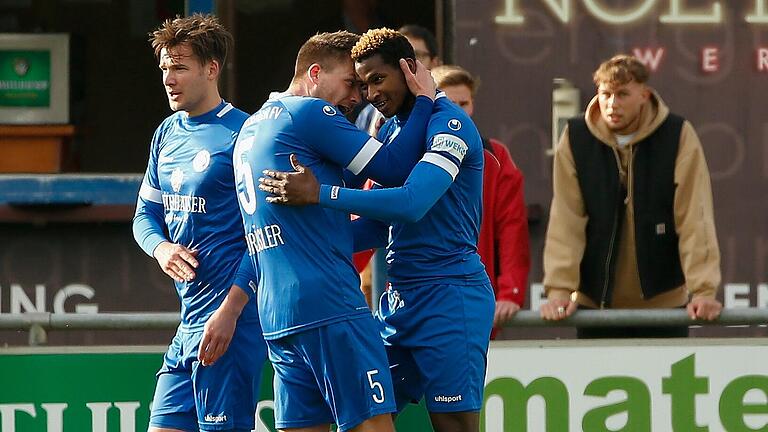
<point x="329" y="361"/>
<point x="438" y="311"/>
<point x="187" y="218"/>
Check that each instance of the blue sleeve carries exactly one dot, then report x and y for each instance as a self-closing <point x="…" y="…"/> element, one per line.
<point x="246" y="277"/>
<point x="149" y="219"/>
<point x="409" y="203"/>
<point x="361" y="154"/>
<point x="353" y="181"/>
<point x="369" y="234"/>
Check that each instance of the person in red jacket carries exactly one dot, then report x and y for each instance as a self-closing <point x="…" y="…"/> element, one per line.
<point x="503" y="240"/>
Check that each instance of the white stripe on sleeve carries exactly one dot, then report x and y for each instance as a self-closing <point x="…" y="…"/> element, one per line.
<point x="150" y="194"/>
<point x="364" y="156"/>
<point x="227" y="108"/>
<point x="442" y="162"/>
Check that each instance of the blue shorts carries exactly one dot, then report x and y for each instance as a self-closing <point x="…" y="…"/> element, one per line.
<point x="336" y="373"/>
<point x="219" y="397"/>
<point x="436" y="338"/>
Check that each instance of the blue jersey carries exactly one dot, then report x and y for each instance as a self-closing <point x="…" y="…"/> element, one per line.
<point x="306" y="274"/>
<point x="442" y="245"/>
<point x="188" y="197"/>
<point x="435" y="215"/>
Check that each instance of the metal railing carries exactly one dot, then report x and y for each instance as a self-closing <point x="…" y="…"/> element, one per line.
<point x="38" y="324"/>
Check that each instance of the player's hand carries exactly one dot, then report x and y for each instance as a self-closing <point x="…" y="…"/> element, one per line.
<point x="557" y="309"/>
<point x="217" y="335"/>
<point x="420" y="81"/>
<point x="177" y="261"/>
<point x="296" y="188"/>
<point x="505" y="310"/>
<point x="705" y="308"/>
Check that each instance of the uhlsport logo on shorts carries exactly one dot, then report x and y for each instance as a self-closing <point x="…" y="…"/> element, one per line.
<point x="448" y="399"/>
<point x="210" y="418"/>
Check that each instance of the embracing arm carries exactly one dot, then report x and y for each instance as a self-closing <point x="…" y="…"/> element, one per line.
<point x="409" y="203"/>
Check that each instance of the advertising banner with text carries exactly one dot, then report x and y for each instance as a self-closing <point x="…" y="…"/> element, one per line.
<point x="567" y="386"/>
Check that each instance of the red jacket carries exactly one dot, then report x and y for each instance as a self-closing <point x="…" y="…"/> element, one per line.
<point x="503" y="241"/>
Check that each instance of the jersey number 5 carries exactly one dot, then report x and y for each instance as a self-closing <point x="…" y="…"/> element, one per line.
<point x="375" y="386"/>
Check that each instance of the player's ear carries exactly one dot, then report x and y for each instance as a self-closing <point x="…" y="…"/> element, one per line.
<point x="214" y="69"/>
<point x="411" y="64"/>
<point x="313" y="72"/>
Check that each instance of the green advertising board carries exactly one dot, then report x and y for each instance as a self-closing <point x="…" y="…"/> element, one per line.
<point x="25" y="78"/>
<point x="104" y="392"/>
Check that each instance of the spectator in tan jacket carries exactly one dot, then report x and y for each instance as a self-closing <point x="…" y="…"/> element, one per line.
<point x="631" y="223"/>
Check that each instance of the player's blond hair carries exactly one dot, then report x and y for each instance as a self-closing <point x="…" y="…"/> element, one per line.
<point x="389" y="44"/>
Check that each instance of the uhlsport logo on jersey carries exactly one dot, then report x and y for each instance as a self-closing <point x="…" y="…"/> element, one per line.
<point x="454" y="124"/>
<point x="329" y="110"/>
<point x="201" y="161"/>
<point x="451" y="144"/>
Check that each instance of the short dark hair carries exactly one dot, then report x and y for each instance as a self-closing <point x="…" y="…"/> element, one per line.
<point x="208" y="39"/>
<point x="325" y="49"/>
<point x="389" y="44"/>
<point x="419" y="32"/>
<point x="621" y="69"/>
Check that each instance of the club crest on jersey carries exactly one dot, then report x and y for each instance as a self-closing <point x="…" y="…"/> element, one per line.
<point x="329" y="110"/>
<point x="454" y="124"/>
<point x="177" y="178"/>
<point x="201" y="160"/>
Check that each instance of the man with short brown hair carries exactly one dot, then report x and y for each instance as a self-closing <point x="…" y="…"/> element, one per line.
<point x="631" y="223"/>
<point x="187" y="220"/>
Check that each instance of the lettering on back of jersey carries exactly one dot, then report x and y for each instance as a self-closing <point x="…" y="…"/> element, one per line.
<point x="450" y="144"/>
<point x="261" y="238"/>
<point x="266" y="113"/>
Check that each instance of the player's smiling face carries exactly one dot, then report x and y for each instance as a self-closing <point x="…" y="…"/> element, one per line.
<point x="339" y="85"/>
<point x="187" y="82"/>
<point x="385" y="84"/>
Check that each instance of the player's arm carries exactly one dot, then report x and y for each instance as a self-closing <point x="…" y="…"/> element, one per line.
<point x="220" y="327"/>
<point x="428" y="181"/>
<point x="409" y="203"/>
<point x="175" y="260"/>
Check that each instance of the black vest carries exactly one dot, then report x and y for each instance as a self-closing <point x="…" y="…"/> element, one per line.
<point x="656" y="241"/>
